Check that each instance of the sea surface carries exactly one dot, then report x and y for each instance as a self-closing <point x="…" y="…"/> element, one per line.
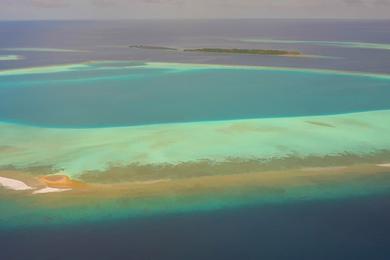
<point x="77" y="85"/>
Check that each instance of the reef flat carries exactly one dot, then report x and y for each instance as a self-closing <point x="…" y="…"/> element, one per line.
<point x="80" y="150"/>
<point x="146" y="170"/>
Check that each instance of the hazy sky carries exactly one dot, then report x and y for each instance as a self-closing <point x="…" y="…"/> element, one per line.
<point x="136" y="9"/>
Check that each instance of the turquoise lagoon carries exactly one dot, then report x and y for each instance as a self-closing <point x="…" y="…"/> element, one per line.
<point x="103" y="94"/>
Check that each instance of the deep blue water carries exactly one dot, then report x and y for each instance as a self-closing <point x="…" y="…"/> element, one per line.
<point x="346" y="229"/>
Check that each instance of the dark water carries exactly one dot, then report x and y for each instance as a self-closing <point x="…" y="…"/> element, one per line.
<point x="101" y="38"/>
<point x="346" y="229"/>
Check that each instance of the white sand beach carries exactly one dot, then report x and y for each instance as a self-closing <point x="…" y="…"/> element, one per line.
<point x="13" y="184"/>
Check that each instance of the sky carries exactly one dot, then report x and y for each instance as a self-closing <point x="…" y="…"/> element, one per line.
<point x="192" y="9"/>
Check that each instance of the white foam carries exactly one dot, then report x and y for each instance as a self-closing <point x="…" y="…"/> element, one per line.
<point x="384" y="165"/>
<point x="49" y="190"/>
<point x="13" y="184"/>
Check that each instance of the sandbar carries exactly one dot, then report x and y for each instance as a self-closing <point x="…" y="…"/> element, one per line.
<point x="13" y="184"/>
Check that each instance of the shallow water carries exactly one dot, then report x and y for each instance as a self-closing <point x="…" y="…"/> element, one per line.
<point x="79" y="150"/>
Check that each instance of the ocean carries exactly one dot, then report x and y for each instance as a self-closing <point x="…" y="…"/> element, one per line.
<point x="75" y="98"/>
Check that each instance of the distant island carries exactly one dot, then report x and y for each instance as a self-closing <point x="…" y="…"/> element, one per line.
<point x="246" y="51"/>
<point x="224" y="50"/>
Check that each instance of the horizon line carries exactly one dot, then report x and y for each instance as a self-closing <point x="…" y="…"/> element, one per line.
<point x="195" y="19"/>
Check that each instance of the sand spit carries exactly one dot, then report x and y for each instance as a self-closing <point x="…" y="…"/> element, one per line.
<point x="13" y="184"/>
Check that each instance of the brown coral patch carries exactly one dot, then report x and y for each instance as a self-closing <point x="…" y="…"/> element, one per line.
<point x="61" y="181"/>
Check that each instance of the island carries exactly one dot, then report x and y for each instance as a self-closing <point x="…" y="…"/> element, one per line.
<point x="223" y="50"/>
<point x="246" y="51"/>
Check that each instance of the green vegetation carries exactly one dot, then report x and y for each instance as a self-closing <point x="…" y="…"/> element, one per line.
<point x="246" y="51"/>
<point x="221" y="50"/>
